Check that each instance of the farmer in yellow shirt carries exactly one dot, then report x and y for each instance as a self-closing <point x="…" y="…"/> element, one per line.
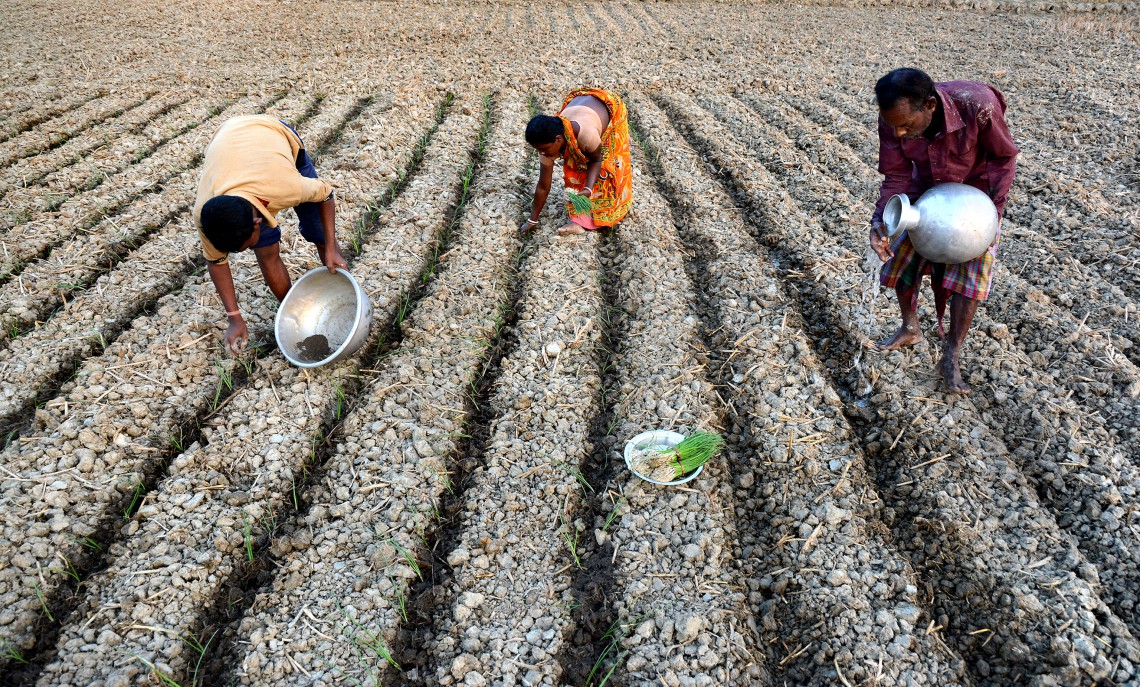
<point x="254" y="167"/>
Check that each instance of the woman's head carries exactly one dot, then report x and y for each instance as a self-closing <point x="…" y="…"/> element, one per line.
<point x="544" y="132"/>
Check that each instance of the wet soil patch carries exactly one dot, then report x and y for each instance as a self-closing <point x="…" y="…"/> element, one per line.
<point x="314" y="348"/>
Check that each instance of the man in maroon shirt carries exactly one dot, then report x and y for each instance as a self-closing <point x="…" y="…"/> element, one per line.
<point x="931" y="134"/>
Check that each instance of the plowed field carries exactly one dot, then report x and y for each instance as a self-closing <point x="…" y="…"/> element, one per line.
<point x="450" y="506"/>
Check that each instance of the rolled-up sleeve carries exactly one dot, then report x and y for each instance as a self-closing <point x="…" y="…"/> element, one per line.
<point x="314" y="190"/>
<point x="1001" y="156"/>
<point x="896" y="169"/>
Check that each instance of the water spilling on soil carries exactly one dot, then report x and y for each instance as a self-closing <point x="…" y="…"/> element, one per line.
<point x="865" y="314"/>
<point x="314" y="348"/>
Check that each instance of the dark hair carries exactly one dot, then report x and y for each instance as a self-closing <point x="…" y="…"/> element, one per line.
<point x="909" y="83"/>
<point x="543" y="129"/>
<point x="227" y="221"/>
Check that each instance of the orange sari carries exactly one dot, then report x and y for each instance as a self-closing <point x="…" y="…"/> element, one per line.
<point x="613" y="191"/>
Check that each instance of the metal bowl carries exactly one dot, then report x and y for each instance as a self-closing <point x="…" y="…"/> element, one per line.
<point x="324" y="318"/>
<point x="656" y="437"/>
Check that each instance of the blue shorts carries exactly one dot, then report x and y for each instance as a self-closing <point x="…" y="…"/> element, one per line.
<point x="308" y="213"/>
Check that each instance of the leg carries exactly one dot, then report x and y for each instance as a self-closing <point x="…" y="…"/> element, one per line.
<point x="273" y="269"/>
<point x="909" y="333"/>
<point x="569" y="229"/>
<point x="962" y="311"/>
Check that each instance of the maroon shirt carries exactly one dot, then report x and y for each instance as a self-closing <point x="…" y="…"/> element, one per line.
<point x="974" y="147"/>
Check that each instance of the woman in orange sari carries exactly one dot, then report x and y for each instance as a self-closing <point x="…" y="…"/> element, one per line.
<point x="591" y="134"/>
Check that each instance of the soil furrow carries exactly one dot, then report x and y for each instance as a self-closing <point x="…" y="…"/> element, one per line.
<point x="808" y="510"/>
<point x="592" y="613"/>
<point x="300" y="408"/>
<point x="34" y="117"/>
<point x="51" y="135"/>
<point x="1015" y="576"/>
<point x="1093" y="476"/>
<point x="508" y="600"/>
<point x="617" y="18"/>
<point x="34" y="170"/>
<point x="635" y="17"/>
<point x="36" y="237"/>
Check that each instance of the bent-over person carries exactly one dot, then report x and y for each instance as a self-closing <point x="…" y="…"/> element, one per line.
<point x="932" y="133"/>
<point x="254" y="167"/>
<point x="591" y="135"/>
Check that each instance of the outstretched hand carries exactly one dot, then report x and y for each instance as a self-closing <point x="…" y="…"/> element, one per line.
<point x="880" y="242"/>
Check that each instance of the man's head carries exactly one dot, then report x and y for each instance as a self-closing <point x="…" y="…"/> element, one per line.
<point x="907" y="101"/>
<point x="545" y="134"/>
<point x="231" y="223"/>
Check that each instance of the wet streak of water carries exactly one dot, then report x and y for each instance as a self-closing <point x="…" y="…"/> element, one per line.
<point x="865" y="314"/>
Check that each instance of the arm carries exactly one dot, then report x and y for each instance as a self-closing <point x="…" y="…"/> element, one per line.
<point x="332" y="256"/>
<point x="237" y="334"/>
<point x="594" y="168"/>
<point x="541" y="191"/>
<point x="896" y="170"/>
<point x="1001" y="155"/>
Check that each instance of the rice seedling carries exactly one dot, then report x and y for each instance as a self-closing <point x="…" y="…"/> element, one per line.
<point x="366" y="639"/>
<point x="293" y="485"/>
<point x="43" y="602"/>
<point x="614" y="650"/>
<point x="87" y="543"/>
<point x="138" y="492"/>
<point x="668" y="464"/>
<point x="340" y="399"/>
<point x="158" y="676"/>
<point x="572" y="538"/>
<point x="247" y="535"/>
<point x="580" y="478"/>
<point x="401" y="597"/>
<point x="613" y="513"/>
<point x="406" y="555"/>
<point x="581" y="203"/>
<point x="199" y="648"/>
<point x="68" y="569"/>
<point x="225" y="381"/>
<point x="177" y="442"/>
<point x="12" y="654"/>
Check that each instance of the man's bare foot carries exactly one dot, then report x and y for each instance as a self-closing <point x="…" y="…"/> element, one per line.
<point x="952" y="376"/>
<point x="570" y="229"/>
<point x="903" y="337"/>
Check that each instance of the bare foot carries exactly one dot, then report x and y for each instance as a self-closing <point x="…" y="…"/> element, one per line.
<point x="570" y="229"/>
<point x="952" y="377"/>
<point x="903" y="337"/>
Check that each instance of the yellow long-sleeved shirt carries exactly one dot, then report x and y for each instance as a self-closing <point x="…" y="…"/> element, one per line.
<point x="254" y="157"/>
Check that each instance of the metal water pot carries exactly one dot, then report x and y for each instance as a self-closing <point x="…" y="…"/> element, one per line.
<point x="950" y="223"/>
